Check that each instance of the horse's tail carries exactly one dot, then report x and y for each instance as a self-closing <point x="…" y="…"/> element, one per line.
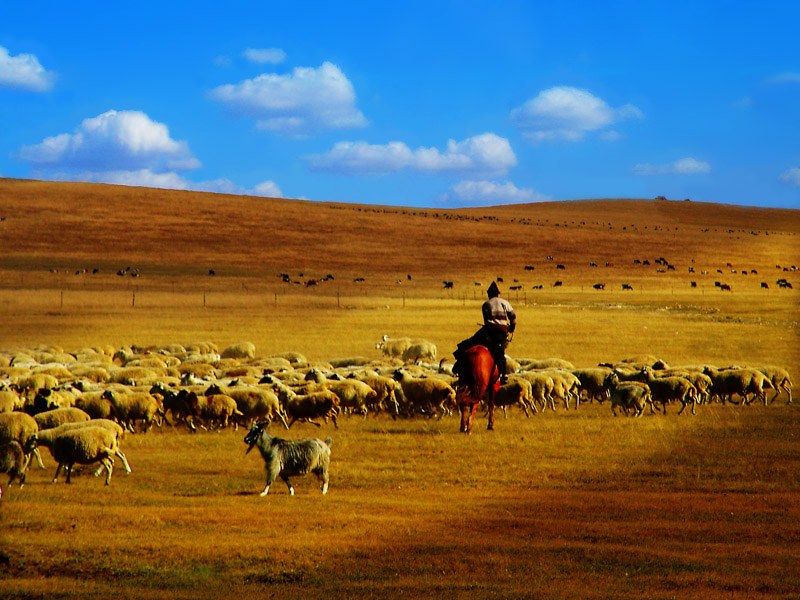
<point x="482" y="371"/>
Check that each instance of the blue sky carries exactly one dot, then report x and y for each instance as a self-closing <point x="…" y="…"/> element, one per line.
<point x="438" y="104"/>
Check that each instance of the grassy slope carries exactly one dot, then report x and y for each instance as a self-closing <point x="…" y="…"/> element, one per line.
<point x="559" y="506"/>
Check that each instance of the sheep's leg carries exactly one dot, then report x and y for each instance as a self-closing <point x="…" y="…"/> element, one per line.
<point x="108" y="464"/>
<point x="312" y="422"/>
<point x="58" y="471"/>
<point x="288" y="483"/>
<point x="69" y="472"/>
<point x="41" y="464"/>
<point x="119" y="453"/>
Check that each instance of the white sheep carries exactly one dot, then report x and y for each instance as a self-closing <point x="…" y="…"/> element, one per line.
<point x="22" y="428"/>
<point x="354" y="395"/>
<point x="426" y="396"/>
<point x="418" y="351"/>
<point x="240" y="350"/>
<point x="47" y="437"/>
<point x="13" y="462"/>
<point x="135" y="406"/>
<point x="252" y="402"/>
<point x="84" y="446"/>
<point x="58" y="416"/>
<point x="393" y="347"/>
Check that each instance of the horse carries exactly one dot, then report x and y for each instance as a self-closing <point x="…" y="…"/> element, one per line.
<point x="479" y="380"/>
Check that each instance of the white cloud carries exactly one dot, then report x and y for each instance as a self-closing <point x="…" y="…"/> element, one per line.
<point x="486" y="153"/>
<point x="788" y="77"/>
<point x="265" y="55"/>
<point x="113" y="141"/>
<point x="684" y="166"/>
<point x="300" y="103"/>
<point x="791" y="177"/>
<point x="491" y="193"/>
<point x="23" y="72"/>
<point x="567" y="113"/>
<point x="170" y="181"/>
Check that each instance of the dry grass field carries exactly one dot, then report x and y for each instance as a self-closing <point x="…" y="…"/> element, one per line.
<point x="566" y="504"/>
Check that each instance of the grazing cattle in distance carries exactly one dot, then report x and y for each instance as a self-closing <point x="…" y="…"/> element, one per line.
<point x="627" y="286"/>
<point x="529" y="268"/>
<point x="448" y="285"/>
<point x="599" y="286"/>
<point x="562" y="267"/>
<point x="592" y="264"/>
<point x="515" y="287"/>
<point x="693" y="283"/>
<point x="764" y="285"/>
<point x="725" y="287"/>
<point x="557" y="284"/>
<point x="359" y="280"/>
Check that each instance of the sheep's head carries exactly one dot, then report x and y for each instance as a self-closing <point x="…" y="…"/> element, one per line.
<point x="213" y="389"/>
<point x="254" y="435"/>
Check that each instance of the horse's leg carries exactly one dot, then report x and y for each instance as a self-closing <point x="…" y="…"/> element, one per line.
<point x="473" y="409"/>
<point x="464" y="410"/>
<point x="490" y="402"/>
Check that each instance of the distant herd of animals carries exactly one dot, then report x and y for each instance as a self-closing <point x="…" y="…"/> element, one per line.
<point x="662" y="266"/>
<point x="81" y="404"/>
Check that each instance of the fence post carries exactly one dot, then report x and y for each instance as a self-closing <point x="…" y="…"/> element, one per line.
<point x="133" y="299"/>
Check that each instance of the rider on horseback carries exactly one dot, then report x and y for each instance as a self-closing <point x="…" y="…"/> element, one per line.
<point x="499" y="321"/>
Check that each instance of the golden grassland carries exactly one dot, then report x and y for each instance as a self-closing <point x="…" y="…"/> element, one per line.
<point x="562" y="505"/>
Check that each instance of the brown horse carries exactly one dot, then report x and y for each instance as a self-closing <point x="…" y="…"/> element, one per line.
<point x="479" y="381"/>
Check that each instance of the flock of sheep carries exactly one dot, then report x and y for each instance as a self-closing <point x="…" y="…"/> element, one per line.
<point x="80" y="405"/>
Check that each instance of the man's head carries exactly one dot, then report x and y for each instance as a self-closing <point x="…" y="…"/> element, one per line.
<point x="493" y="290"/>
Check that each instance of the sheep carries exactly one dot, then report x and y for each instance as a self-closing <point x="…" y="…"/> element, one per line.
<point x="546" y="363"/>
<point x="93" y="404"/>
<point x="171" y="402"/>
<point x="393" y="347"/>
<point x="216" y="410"/>
<point x="542" y="386"/>
<point x="13" y="462"/>
<point x="133" y="376"/>
<point x="22" y="428"/>
<point x="48" y="436"/>
<point x="726" y="382"/>
<point x="515" y="392"/>
<point x="240" y="350"/>
<point x="96" y="374"/>
<point x="84" y="446"/>
<point x="135" y="406"/>
<point x="306" y="407"/>
<point x="353" y="394"/>
<point x="779" y="378"/>
<point x="385" y="392"/>
<point x="30" y="384"/>
<point x="629" y="395"/>
<point x="428" y="396"/>
<point x="287" y="458"/>
<point x="349" y="361"/>
<point x="253" y="403"/>
<point x="9" y="401"/>
<point x="295" y="359"/>
<point x="592" y="379"/>
<point x="700" y="381"/>
<point x="58" y="416"/>
<point x="666" y="389"/>
<point x="418" y="351"/>
<point x="563" y="384"/>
